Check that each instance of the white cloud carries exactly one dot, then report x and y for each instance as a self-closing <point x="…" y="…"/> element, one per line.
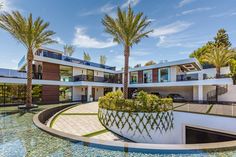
<point x="59" y="40"/>
<point x="140" y="53"/>
<point x="130" y="2"/>
<point x="185" y="52"/>
<point x="119" y="61"/>
<point x="226" y="13"/>
<point x="109" y="8"/>
<point x="184" y="2"/>
<point x="7" y="5"/>
<point x="180" y="41"/>
<point x="172" y="28"/>
<point x="83" y="40"/>
<point x="195" y="10"/>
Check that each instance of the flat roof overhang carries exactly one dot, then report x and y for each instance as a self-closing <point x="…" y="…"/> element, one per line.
<point x="184" y="63"/>
<point x="222" y="81"/>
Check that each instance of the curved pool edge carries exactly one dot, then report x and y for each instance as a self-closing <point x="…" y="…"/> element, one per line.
<point x="40" y="118"/>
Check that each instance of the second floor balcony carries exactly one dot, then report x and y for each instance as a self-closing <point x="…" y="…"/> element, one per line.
<point x="95" y="79"/>
<point x="187" y="77"/>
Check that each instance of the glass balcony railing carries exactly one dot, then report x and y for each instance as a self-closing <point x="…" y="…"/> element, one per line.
<point x="12" y="73"/>
<point x="8" y="73"/>
<point x="58" y="56"/>
<point x="187" y="77"/>
<point x="94" y="79"/>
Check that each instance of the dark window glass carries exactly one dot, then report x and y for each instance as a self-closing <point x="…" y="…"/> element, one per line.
<point x="90" y="75"/>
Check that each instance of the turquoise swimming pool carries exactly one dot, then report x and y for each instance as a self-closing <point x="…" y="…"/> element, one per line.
<point x="20" y="137"/>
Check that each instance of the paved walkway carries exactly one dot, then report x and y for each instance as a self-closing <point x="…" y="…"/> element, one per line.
<point x="82" y="120"/>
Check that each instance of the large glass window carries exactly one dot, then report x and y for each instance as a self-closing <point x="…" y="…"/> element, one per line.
<point x="65" y="94"/>
<point x="109" y="78"/>
<point x="164" y="74"/>
<point x="16" y="94"/>
<point x="147" y="76"/>
<point x="133" y="77"/>
<point x="66" y="73"/>
<point x="90" y="75"/>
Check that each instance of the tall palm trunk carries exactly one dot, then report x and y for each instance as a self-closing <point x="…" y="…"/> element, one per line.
<point x="30" y="58"/>
<point x="217" y="72"/>
<point x="126" y="71"/>
<point x="217" y="87"/>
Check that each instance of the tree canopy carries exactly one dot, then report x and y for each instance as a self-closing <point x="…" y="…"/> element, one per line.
<point x="150" y="63"/>
<point x="220" y="40"/>
<point x="68" y="50"/>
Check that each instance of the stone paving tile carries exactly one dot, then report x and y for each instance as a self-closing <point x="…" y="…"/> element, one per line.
<point x="84" y="108"/>
<point x="229" y="110"/>
<point x="78" y="125"/>
<point x="200" y="108"/>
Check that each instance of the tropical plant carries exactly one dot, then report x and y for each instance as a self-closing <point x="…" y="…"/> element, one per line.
<point x="87" y="56"/>
<point x="218" y="56"/>
<point x="32" y="34"/>
<point x="233" y="70"/>
<point x="127" y="29"/>
<point x="103" y="59"/>
<point x="144" y="102"/>
<point x="150" y="63"/>
<point x="220" y="40"/>
<point x="69" y="50"/>
<point x="200" y="52"/>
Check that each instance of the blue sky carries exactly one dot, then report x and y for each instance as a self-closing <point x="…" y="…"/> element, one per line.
<point x="180" y="26"/>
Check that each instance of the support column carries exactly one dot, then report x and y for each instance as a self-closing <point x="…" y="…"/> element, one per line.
<point x="89" y="93"/>
<point x="113" y="89"/>
<point x="119" y="88"/>
<point x="200" y="93"/>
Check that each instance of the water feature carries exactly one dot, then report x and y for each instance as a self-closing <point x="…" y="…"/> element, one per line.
<point x="20" y="137"/>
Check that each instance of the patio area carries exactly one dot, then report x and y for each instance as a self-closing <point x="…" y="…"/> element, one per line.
<point x="82" y="120"/>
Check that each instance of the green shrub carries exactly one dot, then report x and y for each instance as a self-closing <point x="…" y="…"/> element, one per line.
<point x="144" y="102"/>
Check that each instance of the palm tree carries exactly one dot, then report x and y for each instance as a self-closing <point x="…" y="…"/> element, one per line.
<point x="87" y="56"/>
<point x="103" y="59"/>
<point x="127" y="29"/>
<point x="32" y="34"/>
<point x="69" y="50"/>
<point x="218" y="56"/>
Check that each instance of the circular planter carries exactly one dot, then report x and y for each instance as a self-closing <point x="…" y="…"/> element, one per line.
<point x="138" y="126"/>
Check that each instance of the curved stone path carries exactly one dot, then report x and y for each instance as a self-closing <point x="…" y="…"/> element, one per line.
<point x="82" y="120"/>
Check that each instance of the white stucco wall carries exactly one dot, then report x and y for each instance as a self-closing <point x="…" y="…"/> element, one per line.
<point x="77" y="92"/>
<point x="98" y="73"/>
<point x="173" y="73"/>
<point x="177" y="134"/>
<point x="230" y="95"/>
<point x="79" y="71"/>
<point x="99" y="91"/>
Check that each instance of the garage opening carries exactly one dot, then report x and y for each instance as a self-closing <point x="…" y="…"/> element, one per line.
<point x="198" y="135"/>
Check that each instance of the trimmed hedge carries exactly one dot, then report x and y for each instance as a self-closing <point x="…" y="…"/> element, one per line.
<point x="144" y="102"/>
